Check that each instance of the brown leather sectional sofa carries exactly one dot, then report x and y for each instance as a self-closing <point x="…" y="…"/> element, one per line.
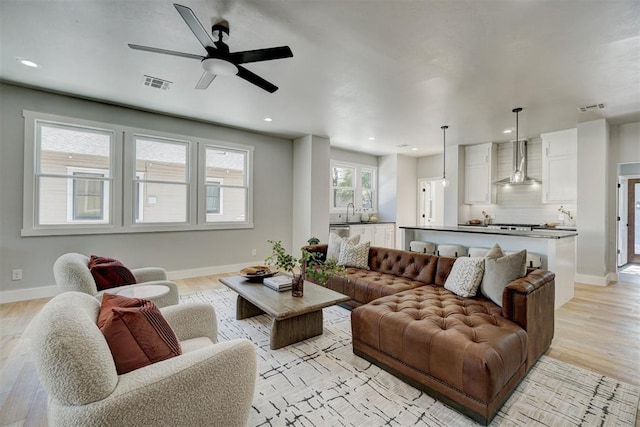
<point x="467" y="352"/>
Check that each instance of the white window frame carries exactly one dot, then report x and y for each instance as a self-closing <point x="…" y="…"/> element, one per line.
<point x="70" y="195"/>
<point x="357" y="188"/>
<point x="248" y="185"/>
<point x="30" y="191"/>
<point x="123" y="180"/>
<point x="130" y="171"/>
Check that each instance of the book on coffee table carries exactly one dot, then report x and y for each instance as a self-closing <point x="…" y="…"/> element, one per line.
<point x="278" y="283"/>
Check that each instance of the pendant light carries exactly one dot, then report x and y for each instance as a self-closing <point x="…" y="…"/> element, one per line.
<point x="518" y="175"/>
<point x="444" y="155"/>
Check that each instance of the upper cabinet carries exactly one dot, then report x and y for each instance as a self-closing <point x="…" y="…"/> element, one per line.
<point x="560" y="166"/>
<point x="479" y="173"/>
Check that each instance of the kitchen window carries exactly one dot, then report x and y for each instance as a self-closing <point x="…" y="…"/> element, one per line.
<point x="353" y="183"/>
<point x="84" y="177"/>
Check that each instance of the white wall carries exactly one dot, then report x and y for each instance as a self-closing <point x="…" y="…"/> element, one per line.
<point x="311" y="193"/>
<point x="353" y="157"/>
<point x="593" y="197"/>
<point x="387" y="187"/>
<point x="628" y="142"/>
<point x="175" y="251"/>
<point x="407" y="194"/>
<point x="430" y="166"/>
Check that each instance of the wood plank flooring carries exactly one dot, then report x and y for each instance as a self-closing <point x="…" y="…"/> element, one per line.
<point x="599" y="330"/>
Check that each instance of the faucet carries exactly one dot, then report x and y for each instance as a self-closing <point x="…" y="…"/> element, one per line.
<point x="353" y="208"/>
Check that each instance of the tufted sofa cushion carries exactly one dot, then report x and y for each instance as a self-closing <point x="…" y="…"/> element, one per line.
<point x="463" y="342"/>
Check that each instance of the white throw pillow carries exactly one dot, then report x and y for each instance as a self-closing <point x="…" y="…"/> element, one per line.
<point x="354" y="255"/>
<point x="500" y="270"/>
<point x="465" y="276"/>
<point x="335" y="244"/>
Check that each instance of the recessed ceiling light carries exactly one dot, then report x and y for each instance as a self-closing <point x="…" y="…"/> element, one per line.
<point x="372" y="138"/>
<point x="268" y="119"/>
<point x="414" y="149"/>
<point x="28" y="63"/>
<point x="507" y="131"/>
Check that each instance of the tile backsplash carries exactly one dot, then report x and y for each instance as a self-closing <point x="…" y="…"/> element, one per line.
<point x="522" y="204"/>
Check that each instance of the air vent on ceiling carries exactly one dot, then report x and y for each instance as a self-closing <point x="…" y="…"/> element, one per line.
<point x="402" y="145"/>
<point x="156" y="82"/>
<point x="592" y="107"/>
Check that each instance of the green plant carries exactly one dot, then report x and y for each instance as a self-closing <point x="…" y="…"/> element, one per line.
<point x="310" y="263"/>
<point x="313" y="241"/>
<point x="280" y="258"/>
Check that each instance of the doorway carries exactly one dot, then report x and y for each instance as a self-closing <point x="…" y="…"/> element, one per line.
<point x="430" y="202"/>
<point x="633" y="218"/>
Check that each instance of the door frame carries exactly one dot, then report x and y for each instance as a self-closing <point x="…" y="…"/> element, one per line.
<point x="632" y="257"/>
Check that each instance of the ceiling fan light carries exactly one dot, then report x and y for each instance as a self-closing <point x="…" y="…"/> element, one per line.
<point x="219" y="67"/>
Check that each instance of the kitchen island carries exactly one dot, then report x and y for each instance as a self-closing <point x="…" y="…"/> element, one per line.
<point x="556" y="247"/>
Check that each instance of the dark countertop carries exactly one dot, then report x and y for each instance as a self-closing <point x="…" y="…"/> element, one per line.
<point x="539" y="234"/>
<point x="344" y="224"/>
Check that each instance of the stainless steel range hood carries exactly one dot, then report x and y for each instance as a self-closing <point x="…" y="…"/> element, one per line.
<point x="519" y="166"/>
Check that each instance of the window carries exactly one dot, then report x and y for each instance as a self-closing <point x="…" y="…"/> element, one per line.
<point x="214" y="202"/>
<point x="352" y="183"/>
<point x="226" y="183"/>
<point x="83" y="177"/>
<point x="162" y="173"/>
<point x="73" y="174"/>
<point x="86" y="198"/>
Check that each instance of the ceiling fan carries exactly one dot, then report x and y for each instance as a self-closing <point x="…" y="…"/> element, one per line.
<point x="219" y="61"/>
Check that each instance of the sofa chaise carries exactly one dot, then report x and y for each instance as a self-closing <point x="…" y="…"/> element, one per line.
<point x="466" y="351"/>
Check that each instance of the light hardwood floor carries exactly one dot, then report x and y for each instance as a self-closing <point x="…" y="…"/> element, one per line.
<point x="599" y="330"/>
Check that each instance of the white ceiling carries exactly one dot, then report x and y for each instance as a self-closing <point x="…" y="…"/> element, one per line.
<point x="396" y="70"/>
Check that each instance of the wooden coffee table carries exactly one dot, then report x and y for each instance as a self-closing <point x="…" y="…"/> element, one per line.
<point x="294" y="318"/>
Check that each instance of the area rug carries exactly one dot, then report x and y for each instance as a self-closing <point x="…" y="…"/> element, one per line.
<point x="320" y="382"/>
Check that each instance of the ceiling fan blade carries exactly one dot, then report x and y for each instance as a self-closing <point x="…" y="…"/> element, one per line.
<point x="260" y="55"/>
<point x="165" y="51"/>
<point x="196" y="27"/>
<point x="205" y="80"/>
<point x="256" y="79"/>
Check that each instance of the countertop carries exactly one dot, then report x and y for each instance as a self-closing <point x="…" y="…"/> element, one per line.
<point x="538" y="234"/>
<point x="345" y="224"/>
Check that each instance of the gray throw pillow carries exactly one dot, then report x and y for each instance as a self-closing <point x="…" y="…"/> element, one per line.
<point x="500" y="270"/>
<point x="335" y="244"/>
<point x="465" y="276"/>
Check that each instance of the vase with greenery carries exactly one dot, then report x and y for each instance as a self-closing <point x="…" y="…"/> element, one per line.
<point x="309" y="265"/>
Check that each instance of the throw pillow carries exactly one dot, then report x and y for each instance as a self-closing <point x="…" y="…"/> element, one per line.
<point x="465" y="276"/>
<point x="335" y="244"/>
<point x="354" y="255"/>
<point x="136" y="332"/>
<point x="109" y="273"/>
<point x="500" y="270"/>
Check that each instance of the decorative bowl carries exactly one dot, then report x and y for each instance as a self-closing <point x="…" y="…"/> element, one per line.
<point x="256" y="273"/>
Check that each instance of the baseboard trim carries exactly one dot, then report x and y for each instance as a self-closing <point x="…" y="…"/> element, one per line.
<point x="591" y="280"/>
<point x="51" y="291"/>
<point x="28" y="294"/>
<point x="208" y="271"/>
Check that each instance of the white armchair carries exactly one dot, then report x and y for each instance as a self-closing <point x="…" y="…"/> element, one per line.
<point x="71" y="272"/>
<point x="209" y="384"/>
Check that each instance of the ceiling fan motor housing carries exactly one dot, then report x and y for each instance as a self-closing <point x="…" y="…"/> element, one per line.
<point x="220" y="30"/>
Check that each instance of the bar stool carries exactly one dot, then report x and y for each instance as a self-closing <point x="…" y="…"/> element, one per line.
<point x="478" y="252"/>
<point x="452" y="250"/>
<point x="422" y="247"/>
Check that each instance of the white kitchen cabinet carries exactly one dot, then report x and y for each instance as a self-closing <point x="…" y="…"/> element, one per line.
<point x="479" y="173"/>
<point x="560" y="166"/>
<point x="381" y="235"/>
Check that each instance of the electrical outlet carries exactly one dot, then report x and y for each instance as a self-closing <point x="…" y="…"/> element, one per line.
<point x="254" y="252"/>
<point x="16" y="274"/>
